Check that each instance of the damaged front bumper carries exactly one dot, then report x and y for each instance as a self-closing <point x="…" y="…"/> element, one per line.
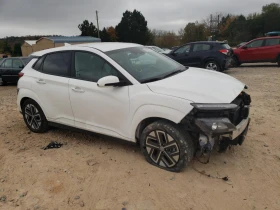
<point x="221" y="127"/>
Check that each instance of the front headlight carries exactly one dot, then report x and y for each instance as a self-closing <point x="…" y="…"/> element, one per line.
<point x="215" y="125"/>
<point x="213" y="107"/>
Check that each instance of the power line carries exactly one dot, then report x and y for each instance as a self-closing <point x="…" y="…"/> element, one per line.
<point x="97" y="23"/>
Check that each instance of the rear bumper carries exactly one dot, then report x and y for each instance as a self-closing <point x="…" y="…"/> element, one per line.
<point x="226" y="63"/>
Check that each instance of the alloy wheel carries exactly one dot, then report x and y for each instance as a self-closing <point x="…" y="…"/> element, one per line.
<point x="162" y="149"/>
<point x="212" y="66"/>
<point x="32" y="116"/>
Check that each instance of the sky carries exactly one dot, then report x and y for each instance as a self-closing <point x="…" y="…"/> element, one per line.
<point x="62" y="17"/>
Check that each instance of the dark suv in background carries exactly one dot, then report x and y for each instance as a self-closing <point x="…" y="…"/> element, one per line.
<point x="208" y="54"/>
<point x="10" y="68"/>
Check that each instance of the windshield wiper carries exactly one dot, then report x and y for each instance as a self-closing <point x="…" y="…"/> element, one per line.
<point x="165" y="76"/>
<point x="151" y="79"/>
<point x="174" y="72"/>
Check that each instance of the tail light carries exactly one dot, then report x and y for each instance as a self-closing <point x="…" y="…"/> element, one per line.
<point x="224" y="51"/>
<point x="20" y="74"/>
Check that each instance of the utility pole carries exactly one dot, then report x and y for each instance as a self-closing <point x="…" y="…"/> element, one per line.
<point x="97" y="23"/>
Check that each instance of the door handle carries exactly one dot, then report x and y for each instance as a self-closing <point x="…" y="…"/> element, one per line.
<point x="78" y="89"/>
<point x="40" y="81"/>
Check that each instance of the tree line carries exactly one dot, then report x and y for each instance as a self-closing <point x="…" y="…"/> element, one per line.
<point x="133" y="27"/>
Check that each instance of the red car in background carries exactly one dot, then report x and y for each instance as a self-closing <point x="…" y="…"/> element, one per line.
<point x="264" y="49"/>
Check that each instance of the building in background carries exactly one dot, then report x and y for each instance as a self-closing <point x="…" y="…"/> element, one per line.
<point x="26" y="48"/>
<point x="43" y="43"/>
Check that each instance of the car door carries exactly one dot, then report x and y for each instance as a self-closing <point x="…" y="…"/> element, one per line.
<point x="199" y="51"/>
<point x="182" y="55"/>
<point x="271" y="49"/>
<point x="16" y="68"/>
<point x="99" y="109"/>
<point x="6" y="70"/>
<point x="50" y="84"/>
<point x="252" y="52"/>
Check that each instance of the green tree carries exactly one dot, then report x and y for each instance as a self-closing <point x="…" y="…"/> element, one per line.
<point x="271" y="17"/>
<point x="133" y="28"/>
<point x="88" y="29"/>
<point x="194" y="32"/>
<point x="105" y="37"/>
<point x="6" y="47"/>
<point x="17" y="50"/>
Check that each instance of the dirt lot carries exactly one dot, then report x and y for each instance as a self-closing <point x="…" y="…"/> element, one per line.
<point x="93" y="172"/>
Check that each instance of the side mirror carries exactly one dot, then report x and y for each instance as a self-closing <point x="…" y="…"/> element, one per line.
<point x="109" y="81"/>
<point x="244" y="47"/>
<point x="21" y="67"/>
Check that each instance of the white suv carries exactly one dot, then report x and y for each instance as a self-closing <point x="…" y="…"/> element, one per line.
<point x="133" y="93"/>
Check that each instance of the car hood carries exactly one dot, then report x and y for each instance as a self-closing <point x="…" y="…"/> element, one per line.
<point x="199" y="86"/>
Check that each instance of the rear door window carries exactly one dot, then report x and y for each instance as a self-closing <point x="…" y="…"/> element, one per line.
<point x="17" y="63"/>
<point x="272" y="42"/>
<point x="57" y="64"/>
<point x="201" y="47"/>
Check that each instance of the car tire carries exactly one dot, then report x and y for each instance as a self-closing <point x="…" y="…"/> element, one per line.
<point x="34" y="117"/>
<point x="167" y="146"/>
<point x="278" y="61"/>
<point x="212" y="65"/>
<point x="235" y="62"/>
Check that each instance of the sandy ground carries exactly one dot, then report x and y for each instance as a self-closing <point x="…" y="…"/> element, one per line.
<point x="93" y="172"/>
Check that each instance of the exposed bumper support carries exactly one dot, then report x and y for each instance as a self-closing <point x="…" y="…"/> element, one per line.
<point x="240" y="128"/>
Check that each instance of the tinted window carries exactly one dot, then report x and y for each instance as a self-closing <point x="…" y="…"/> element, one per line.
<point x="37" y="65"/>
<point x="257" y="43"/>
<point x="57" y="63"/>
<point x="17" y="63"/>
<point x="184" y="49"/>
<point x="8" y="63"/>
<point x="201" y="47"/>
<point x="92" y="67"/>
<point x="271" y="42"/>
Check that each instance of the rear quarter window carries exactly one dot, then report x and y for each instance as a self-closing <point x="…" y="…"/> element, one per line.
<point x="38" y="64"/>
<point x="225" y="46"/>
<point x="272" y="42"/>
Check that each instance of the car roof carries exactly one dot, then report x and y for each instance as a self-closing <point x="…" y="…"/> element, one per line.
<point x="267" y="37"/>
<point x="102" y="46"/>
<point x="207" y="42"/>
<point x="14" y="57"/>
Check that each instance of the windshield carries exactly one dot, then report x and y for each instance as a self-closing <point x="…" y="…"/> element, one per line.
<point x="143" y="63"/>
<point x="157" y="49"/>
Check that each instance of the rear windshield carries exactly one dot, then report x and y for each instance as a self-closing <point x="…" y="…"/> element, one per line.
<point x="225" y="46"/>
<point x="26" y="60"/>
